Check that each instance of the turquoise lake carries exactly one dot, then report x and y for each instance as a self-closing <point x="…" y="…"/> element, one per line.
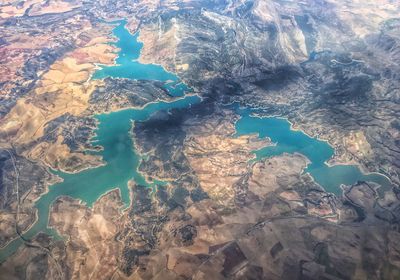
<point x="113" y="134"/>
<point x="128" y="66"/>
<point x="317" y="151"/>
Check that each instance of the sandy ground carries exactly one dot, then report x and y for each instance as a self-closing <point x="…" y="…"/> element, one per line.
<point x="11" y="10"/>
<point x="38" y="7"/>
<point x="220" y="160"/>
<point x="158" y="49"/>
<point x="54" y="7"/>
<point x="94" y="230"/>
<point x="65" y="88"/>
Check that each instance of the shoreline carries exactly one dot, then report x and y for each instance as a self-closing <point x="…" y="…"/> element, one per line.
<point x="57" y="180"/>
<point x="56" y="174"/>
<point x="328" y="162"/>
<point x="138" y="108"/>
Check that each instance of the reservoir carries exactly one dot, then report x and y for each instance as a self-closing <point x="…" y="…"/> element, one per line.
<point x="121" y="159"/>
<point x="128" y="66"/>
<point x="113" y="134"/>
<point x="318" y="152"/>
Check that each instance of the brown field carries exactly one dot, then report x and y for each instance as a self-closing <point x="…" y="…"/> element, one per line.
<point x="65" y="88"/>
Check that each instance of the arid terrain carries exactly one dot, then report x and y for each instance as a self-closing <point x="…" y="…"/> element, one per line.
<point x="330" y="67"/>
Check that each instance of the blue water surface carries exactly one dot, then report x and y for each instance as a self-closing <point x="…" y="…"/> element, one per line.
<point x="317" y="151"/>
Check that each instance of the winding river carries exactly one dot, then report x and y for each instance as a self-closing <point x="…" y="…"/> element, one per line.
<point x="121" y="159"/>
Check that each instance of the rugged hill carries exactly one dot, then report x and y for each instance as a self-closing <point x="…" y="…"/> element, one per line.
<point x="330" y="67"/>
